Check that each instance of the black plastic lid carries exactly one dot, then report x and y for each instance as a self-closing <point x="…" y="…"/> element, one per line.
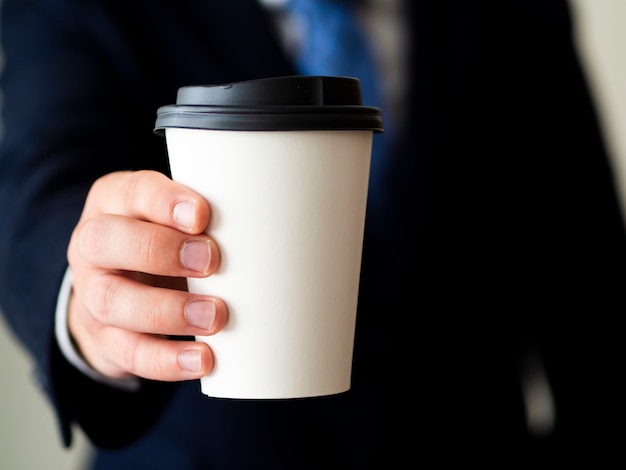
<point x="272" y="104"/>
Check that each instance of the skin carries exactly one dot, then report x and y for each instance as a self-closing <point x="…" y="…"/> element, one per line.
<point x="139" y="236"/>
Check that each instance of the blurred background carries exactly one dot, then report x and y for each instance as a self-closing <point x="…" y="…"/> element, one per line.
<point x="29" y="438"/>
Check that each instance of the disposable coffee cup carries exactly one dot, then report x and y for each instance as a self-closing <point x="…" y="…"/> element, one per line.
<point x="284" y="163"/>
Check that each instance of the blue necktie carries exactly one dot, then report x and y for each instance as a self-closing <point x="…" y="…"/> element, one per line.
<point x="333" y="44"/>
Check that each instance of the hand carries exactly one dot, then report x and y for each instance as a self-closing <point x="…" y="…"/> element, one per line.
<point x="139" y="236"/>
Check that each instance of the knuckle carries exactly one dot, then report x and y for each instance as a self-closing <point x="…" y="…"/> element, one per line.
<point x="100" y="184"/>
<point x="148" y="248"/>
<point x="144" y="190"/>
<point x="129" y="358"/>
<point x="101" y="295"/>
<point x="133" y="185"/>
<point x="159" y="362"/>
<point x="145" y="357"/>
<point x="90" y="235"/>
<point x="157" y="309"/>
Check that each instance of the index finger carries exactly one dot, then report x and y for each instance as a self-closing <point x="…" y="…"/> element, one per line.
<point x="150" y="196"/>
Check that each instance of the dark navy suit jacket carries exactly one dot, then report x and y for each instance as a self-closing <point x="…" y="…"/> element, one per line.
<point x="494" y="230"/>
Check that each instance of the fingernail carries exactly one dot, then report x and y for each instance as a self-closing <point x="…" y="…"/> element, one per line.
<point x="196" y="256"/>
<point x="200" y="313"/>
<point x="184" y="214"/>
<point x="190" y="360"/>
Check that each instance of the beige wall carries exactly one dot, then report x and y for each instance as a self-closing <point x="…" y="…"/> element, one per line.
<point x="28" y="430"/>
<point x="602" y="43"/>
<point x="28" y="434"/>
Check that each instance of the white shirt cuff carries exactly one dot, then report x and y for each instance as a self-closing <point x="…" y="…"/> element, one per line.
<point x="68" y="349"/>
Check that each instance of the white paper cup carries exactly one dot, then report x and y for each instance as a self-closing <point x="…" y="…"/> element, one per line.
<point x="288" y="212"/>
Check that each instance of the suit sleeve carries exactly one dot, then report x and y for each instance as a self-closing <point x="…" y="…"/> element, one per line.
<point x="65" y="98"/>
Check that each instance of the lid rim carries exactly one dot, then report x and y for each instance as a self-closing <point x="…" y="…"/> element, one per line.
<point x="269" y="122"/>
